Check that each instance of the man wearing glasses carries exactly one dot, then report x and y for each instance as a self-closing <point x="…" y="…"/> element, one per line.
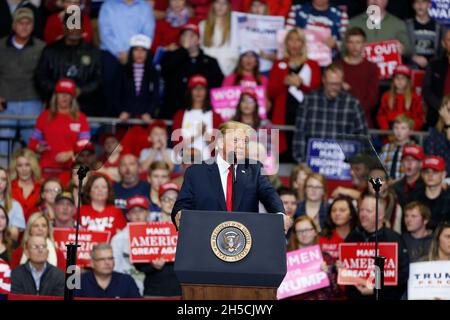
<point x="215" y="187"/>
<point x="102" y="281"/>
<point x="36" y="276"/>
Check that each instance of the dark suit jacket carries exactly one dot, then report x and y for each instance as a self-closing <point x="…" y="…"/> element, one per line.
<point x="52" y="281"/>
<point x="202" y="190"/>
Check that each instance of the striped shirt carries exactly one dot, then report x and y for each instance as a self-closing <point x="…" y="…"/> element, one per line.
<point x="138" y="74"/>
<point x="319" y="117"/>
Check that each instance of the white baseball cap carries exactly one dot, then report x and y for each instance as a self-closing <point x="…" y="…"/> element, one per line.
<point x="141" y="40"/>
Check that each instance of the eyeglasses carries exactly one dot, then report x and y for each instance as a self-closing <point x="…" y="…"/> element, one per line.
<point x="168" y="199"/>
<point x="52" y="190"/>
<point x="38" y="247"/>
<point x="314" y="187"/>
<point x="303" y="231"/>
<point x="104" y="259"/>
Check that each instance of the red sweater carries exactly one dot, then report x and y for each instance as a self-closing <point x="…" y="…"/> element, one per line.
<point x="28" y="204"/>
<point x="363" y="79"/>
<point x="331" y="246"/>
<point x="386" y="115"/>
<point x="278" y="92"/>
<point x="62" y="133"/>
<point x="54" y="28"/>
<point x="110" y="219"/>
<point x="165" y="34"/>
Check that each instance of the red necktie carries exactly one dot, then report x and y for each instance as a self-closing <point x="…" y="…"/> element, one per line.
<point x="230" y="189"/>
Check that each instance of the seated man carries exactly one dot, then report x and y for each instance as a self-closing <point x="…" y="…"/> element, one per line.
<point x="365" y="232"/>
<point x="36" y="276"/>
<point x="102" y="281"/>
<point x="418" y="237"/>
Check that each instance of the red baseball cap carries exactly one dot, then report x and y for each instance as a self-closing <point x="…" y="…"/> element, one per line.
<point x="433" y="162"/>
<point x="413" y="151"/>
<point x="197" y="80"/>
<point x="168" y="186"/>
<point x="249" y="91"/>
<point x="137" y="201"/>
<point x="402" y="69"/>
<point x="192" y="27"/>
<point x="65" y="86"/>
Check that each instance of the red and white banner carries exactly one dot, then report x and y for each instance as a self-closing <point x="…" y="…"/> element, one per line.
<point x="5" y="277"/>
<point x="152" y="240"/>
<point x="304" y="273"/>
<point x="86" y="240"/>
<point x="357" y="263"/>
<point x="386" y="55"/>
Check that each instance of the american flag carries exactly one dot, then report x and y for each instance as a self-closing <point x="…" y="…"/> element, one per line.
<point x="5" y="277"/>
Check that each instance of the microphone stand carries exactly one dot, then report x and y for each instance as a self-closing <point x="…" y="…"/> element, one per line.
<point x="379" y="260"/>
<point x="71" y="259"/>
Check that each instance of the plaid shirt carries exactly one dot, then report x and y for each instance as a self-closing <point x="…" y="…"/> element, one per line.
<point x="387" y="157"/>
<point x="319" y="117"/>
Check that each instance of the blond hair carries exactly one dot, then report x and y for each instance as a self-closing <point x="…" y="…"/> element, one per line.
<point x="403" y="118"/>
<point x="302" y="36"/>
<point x="7" y="196"/>
<point x="233" y="125"/>
<point x="74" y="110"/>
<point x="210" y="25"/>
<point x="408" y="95"/>
<point x="33" y="218"/>
<point x="31" y="158"/>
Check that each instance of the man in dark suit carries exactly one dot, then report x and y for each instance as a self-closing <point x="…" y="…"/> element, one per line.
<point x="212" y="187"/>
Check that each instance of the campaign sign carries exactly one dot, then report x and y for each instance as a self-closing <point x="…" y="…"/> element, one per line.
<point x="385" y="55"/>
<point x="429" y="280"/>
<point x="357" y="261"/>
<point x="152" y="240"/>
<point x="440" y="11"/>
<point x="327" y="157"/>
<point x="86" y="241"/>
<point x="304" y="273"/>
<point x="224" y="101"/>
<point x="5" y="277"/>
<point x="255" y="31"/>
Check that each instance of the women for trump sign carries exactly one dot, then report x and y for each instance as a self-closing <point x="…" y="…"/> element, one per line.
<point x="150" y="241"/>
<point x="304" y="273"/>
<point x="357" y="263"/>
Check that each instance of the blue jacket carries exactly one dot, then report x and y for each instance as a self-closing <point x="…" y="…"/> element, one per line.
<point x="202" y="190"/>
<point x="301" y="210"/>
<point x="121" y="286"/>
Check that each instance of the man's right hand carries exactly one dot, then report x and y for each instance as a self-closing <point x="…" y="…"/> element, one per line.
<point x="177" y="219"/>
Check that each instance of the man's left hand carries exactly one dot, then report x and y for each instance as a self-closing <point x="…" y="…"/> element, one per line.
<point x="288" y="222"/>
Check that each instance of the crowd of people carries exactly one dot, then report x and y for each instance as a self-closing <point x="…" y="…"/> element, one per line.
<point x="158" y="61"/>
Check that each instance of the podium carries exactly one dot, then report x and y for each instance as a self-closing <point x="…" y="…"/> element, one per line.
<point x="230" y="255"/>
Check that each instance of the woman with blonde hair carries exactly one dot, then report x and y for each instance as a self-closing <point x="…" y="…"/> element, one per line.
<point x="61" y="131"/>
<point x="440" y="244"/>
<point x="438" y="141"/>
<point x="215" y="36"/>
<point x="25" y="177"/>
<point x="39" y="225"/>
<point x="290" y="78"/>
<point x="315" y="204"/>
<point x="12" y="208"/>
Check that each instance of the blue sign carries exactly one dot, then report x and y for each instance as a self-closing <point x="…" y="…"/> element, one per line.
<point x="440" y="11"/>
<point x="327" y="157"/>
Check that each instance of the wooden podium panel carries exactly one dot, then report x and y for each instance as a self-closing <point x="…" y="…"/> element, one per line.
<point x="216" y="292"/>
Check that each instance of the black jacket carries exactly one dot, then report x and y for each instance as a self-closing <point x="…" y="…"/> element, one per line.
<point x="125" y="91"/>
<point x="52" y="281"/>
<point x="177" y="67"/>
<point x="160" y="283"/>
<point x="80" y="63"/>
<point x="405" y="198"/>
<point x="384" y="235"/>
<point x="433" y="87"/>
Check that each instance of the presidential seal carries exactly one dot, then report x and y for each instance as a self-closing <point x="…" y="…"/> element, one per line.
<point x="231" y="241"/>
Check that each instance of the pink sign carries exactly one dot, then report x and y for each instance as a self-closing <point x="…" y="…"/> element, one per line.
<point x="224" y="101"/>
<point x="304" y="273"/>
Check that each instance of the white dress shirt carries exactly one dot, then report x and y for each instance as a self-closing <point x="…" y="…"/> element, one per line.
<point x="223" y="171"/>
